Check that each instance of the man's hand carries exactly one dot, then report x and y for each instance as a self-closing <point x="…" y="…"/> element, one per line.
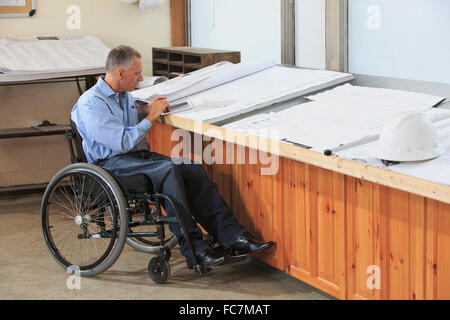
<point x="154" y="109"/>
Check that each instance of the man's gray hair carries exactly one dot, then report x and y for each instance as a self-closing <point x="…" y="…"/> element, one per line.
<point x="121" y="57"/>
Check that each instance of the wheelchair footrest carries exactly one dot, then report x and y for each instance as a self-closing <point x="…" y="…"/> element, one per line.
<point x="167" y="220"/>
<point x="199" y="269"/>
<point x="192" y="263"/>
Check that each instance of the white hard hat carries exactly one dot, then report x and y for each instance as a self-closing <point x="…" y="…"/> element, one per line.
<point x="408" y="136"/>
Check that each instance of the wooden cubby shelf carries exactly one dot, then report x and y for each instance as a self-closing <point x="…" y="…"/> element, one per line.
<point x="173" y="61"/>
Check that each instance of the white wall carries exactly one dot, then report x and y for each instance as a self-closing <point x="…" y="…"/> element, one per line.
<point x="407" y="39"/>
<point x="36" y="160"/>
<point x="252" y="27"/>
<point x="310" y="33"/>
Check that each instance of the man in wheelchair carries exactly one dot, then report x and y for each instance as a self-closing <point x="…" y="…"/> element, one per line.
<point x="114" y="138"/>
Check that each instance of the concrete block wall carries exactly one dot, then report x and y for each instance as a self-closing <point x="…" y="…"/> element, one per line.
<point x="37" y="159"/>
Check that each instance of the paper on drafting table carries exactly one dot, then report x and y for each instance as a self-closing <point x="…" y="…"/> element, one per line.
<point x="394" y="99"/>
<point x="309" y="129"/>
<point x="150" y="81"/>
<point x="259" y="124"/>
<point x="258" y="90"/>
<point x="327" y="124"/>
<point x="201" y="80"/>
<point x="331" y="123"/>
<point x="316" y="124"/>
<point x="249" y="122"/>
<point x="175" y="85"/>
<point x="308" y="133"/>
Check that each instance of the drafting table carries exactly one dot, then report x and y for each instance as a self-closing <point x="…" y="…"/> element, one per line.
<point x="335" y="221"/>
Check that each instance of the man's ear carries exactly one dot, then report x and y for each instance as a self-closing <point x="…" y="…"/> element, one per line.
<point x="119" y="73"/>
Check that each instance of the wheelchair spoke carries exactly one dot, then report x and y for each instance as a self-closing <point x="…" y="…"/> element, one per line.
<point x="63" y="241"/>
<point x="79" y="227"/>
<point x="71" y="200"/>
<point x="63" y="214"/>
<point x="62" y="201"/>
<point x="71" y="184"/>
<point x="97" y="209"/>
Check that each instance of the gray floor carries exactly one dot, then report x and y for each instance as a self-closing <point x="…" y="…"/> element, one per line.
<point x="28" y="272"/>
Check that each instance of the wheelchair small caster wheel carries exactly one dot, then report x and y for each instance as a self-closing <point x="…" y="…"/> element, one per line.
<point x="166" y="253"/>
<point x="159" y="269"/>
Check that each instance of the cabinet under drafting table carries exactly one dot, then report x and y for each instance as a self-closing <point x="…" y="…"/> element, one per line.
<point x="350" y="229"/>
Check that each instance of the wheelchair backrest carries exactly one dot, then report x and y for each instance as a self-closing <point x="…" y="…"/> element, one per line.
<point x="78" y="141"/>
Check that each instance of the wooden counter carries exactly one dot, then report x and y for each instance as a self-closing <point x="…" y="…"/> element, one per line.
<point x="335" y="222"/>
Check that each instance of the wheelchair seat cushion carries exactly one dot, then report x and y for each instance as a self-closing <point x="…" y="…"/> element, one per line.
<point x="135" y="184"/>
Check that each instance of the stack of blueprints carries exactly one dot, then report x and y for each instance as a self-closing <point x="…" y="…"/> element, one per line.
<point x="225" y="90"/>
<point x="51" y="57"/>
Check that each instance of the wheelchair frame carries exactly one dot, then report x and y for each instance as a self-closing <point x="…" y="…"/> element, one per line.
<point x="125" y="203"/>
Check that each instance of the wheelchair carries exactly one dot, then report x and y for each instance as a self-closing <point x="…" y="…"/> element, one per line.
<point x="88" y="214"/>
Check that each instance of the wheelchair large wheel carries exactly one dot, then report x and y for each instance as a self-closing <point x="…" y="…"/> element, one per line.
<point x="84" y="218"/>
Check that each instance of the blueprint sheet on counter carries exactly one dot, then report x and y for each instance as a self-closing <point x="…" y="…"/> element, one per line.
<point x="327" y="124"/>
<point x="387" y="98"/>
<point x="258" y="90"/>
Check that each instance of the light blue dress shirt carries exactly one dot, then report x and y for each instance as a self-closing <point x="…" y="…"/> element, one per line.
<point x="109" y="123"/>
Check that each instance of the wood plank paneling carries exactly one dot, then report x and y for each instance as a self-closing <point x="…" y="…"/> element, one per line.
<point x="430" y="250"/>
<point x="268" y="219"/>
<point x="417" y="243"/>
<point x="278" y="214"/>
<point x="249" y="197"/>
<point x="330" y="228"/>
<point x="350" y="188"/>
<point x="339" y="228"/>
<point x="253" y="197"/>
<point x="298" y="217"/>
<point x="360" y="237"/>
<point x="316" y="205"/>
<point x="178" y="22"/>
<point x="325" y="232"/>
<point x="286" y="228"/>
<point x="311" y="210"/>
<point x="443" y="252"/>
<point x="399" y="244"/>
<point x="383" y="241"/>
<point x="214" y="150"/>
<point x="236" y="193"/>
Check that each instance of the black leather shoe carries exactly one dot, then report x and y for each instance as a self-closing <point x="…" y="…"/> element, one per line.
<point x="245" y="245"/>
<point x="208" y="259"/>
